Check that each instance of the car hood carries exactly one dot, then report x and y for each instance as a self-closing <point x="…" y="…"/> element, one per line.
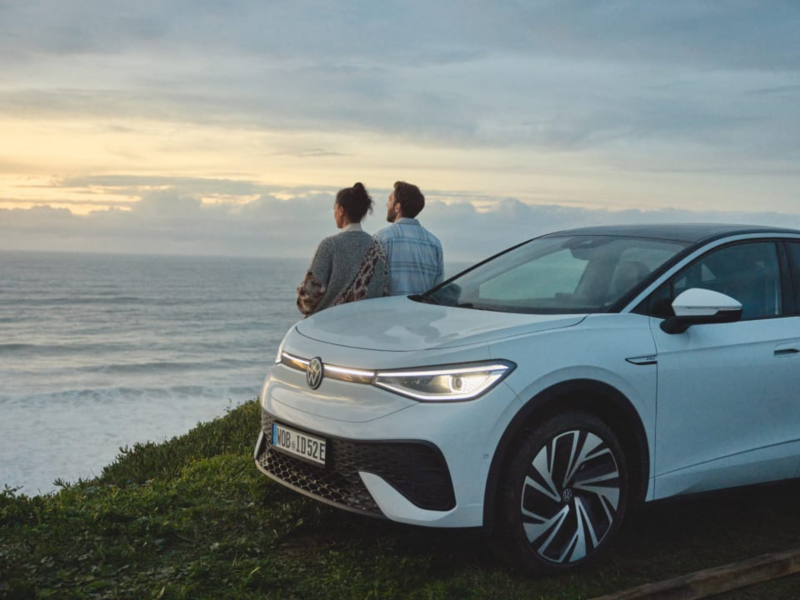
<point x="398" y="324"/>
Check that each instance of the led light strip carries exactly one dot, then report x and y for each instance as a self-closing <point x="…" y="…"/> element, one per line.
<point x="482" y="369"/>
<point x="372" y="377"/>
<point x="453" y="397"/>
<point x="354" y="372"/>
<point x="294" y="361"/>
<point x="334" y="372"/>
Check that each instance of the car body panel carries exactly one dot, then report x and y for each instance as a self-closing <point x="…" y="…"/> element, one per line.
<point x="303" y="346"/>
<point x="722" y="393"/>
<point x="398" y="324"/>
<point x="598" y="350"/>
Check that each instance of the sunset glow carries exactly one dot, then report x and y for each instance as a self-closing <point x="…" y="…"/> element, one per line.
<point x="160" y="113"/>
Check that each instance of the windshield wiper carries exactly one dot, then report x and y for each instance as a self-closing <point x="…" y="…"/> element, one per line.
<point x="473" y="307"/>
<point x="424" y="299"/>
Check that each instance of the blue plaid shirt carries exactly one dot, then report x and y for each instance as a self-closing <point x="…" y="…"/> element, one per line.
<point x="414" y="255"/>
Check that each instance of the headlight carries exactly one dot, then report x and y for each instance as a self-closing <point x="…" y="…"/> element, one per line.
<point x="447" y="383"/>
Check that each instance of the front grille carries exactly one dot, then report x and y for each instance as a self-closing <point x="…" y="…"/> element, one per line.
<point x="415" y="469"/>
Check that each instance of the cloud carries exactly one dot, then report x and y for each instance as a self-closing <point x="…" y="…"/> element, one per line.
<point x="170" y="222"/>
<point x="310" y="153"/>
<point x="564" y="76"/>
<point x="209" y="103"/>
<point x="509" y="221"/>
<point x="140" y="185"/>
<point x="731" y="35"/>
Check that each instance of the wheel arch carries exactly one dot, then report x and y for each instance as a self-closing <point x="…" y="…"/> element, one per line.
<point x="594" y="397"/>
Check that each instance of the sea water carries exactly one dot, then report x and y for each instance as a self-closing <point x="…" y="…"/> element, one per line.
<point x="99" y="352"/>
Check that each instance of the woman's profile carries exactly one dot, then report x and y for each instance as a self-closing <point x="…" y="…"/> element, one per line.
<point x="349" y="266"/>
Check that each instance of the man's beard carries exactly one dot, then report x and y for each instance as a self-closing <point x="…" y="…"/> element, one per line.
<point x="390" y="215"/>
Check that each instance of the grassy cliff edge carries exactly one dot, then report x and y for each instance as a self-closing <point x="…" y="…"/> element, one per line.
<point x="193" y="518"/>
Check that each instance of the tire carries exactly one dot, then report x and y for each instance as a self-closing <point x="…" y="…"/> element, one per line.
<point x="549" y="516"/>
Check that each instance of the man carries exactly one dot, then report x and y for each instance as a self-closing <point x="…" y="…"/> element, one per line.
<point x="414" y="255"/>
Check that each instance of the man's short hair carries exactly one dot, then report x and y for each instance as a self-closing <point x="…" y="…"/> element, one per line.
<point x="410" y="198"/>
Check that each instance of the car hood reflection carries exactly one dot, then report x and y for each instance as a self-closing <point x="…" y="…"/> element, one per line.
<point x="402" y="325"/>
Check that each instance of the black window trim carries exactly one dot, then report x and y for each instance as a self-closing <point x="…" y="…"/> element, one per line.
<point x="787" y="281"/>
<point x="793" y="267"/>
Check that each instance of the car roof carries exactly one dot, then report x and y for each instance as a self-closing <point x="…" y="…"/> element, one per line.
<point x="680" y="232"/>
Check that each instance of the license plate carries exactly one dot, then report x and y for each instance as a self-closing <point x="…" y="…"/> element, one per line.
<point x="301" y="445"/>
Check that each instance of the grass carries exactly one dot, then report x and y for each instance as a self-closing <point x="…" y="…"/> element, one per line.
<point x="193" y="518"/>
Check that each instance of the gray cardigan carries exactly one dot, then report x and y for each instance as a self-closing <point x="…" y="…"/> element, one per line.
<point x="347" y="267"/>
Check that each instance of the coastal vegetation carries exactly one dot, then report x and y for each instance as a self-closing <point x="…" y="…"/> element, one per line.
<point x="192" y="518"/>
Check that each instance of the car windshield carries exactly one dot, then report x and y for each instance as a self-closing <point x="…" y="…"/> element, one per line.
<point x="557" y="274"/>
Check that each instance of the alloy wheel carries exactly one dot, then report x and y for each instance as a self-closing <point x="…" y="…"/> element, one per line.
<point x="570" y="497"/>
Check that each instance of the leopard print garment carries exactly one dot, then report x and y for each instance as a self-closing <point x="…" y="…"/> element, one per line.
<point x="309" y="294"/>
<point x="359" y="288"/>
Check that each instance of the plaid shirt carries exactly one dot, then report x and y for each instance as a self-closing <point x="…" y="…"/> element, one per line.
<point x="415" y="257"/>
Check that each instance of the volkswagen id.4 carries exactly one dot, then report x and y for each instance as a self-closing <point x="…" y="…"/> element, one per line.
<point x="544" y="391"/>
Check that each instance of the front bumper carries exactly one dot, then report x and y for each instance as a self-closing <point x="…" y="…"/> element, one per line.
<point x="417" y="470"/>
<point x="464" y="434"/>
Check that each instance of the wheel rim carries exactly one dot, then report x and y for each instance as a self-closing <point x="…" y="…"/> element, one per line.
<point x="570" y="496"/>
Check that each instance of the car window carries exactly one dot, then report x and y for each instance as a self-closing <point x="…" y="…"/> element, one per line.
<point x="553" y="274"/>
<point x="558" y="274"/>
<point x="749" y="273"/>
<point x="651" y="257"/>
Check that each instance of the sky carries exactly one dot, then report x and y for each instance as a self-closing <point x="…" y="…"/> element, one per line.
<point x="226" y="127"/>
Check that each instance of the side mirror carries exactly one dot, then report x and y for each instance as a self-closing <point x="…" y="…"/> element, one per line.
<point x="698" y="307"/>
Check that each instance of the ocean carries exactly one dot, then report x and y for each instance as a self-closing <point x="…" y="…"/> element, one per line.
<point x="98" y="352"/>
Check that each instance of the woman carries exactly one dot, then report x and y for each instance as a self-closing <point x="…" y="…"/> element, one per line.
<point x="349" y="266"/>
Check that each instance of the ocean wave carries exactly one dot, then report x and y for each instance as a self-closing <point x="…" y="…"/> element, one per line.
<point x="57" y="349"/>
<point x="20" y="347"/>
<point x="79" y="300"/>
<point x="167" y="366"/>
<point x="182" y="299"/>
<point x="111" y="395"/>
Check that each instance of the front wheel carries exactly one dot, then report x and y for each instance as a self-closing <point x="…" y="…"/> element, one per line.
<point x="563" y="495"/>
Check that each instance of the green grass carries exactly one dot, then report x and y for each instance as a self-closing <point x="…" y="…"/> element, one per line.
<point x="193" y="518"/>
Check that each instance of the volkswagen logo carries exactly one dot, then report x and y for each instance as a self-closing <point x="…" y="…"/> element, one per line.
<point x="314" y="373"/>
<point x="567" y="495"/>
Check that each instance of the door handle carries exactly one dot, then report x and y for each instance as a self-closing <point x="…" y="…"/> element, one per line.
<point x="786" y="350"/>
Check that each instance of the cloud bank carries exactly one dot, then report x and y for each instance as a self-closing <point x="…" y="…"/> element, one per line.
<point x="171" y="222"/>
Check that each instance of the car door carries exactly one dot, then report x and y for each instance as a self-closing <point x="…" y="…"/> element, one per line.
<point x="728" y="411"/>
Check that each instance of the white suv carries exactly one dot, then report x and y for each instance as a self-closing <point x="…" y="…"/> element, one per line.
<point x="543" y="391"/>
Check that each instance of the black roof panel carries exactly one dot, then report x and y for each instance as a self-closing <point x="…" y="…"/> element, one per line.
<point x="681" y="232"/>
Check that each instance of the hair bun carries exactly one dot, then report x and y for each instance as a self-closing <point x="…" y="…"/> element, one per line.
<point x="356" y="201"/>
